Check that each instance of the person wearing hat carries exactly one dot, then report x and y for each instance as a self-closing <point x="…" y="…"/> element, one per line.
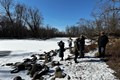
<point x="102" y="41"/>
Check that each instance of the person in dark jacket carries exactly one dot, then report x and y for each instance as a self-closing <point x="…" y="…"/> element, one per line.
<point x="102" y="41"/>
<point x="81" y="43"/>
<point x="76" y="50"/>
<point x="61" y="50"/>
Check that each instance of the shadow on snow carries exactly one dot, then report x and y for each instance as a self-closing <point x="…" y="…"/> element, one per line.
<point x="4" y="53"/>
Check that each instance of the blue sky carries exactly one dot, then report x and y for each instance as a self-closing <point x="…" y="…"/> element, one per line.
<point x="60" y="13"/>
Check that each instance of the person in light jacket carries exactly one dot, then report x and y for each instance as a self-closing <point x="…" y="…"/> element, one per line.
<point x="76" y="50"/>
<point x="70" y="44"/>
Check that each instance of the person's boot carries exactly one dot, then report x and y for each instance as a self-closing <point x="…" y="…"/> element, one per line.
<point x="76" y="61"/>
<point x="61" y="59"/>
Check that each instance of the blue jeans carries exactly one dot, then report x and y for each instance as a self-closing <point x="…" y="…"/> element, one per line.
<point x="101" y="51"/>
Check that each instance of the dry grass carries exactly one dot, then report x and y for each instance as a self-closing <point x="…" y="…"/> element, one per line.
<point x="113" y="55"/>
<point x="113" y="50"/>
<point x="90" y="47"/>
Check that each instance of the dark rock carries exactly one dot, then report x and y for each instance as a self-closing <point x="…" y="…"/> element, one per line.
<point x="18" y="67"/>
<point x="68" y="77"/>
<point x="9" y="64"/>
<point x="35" y="68"/>
<point x="17" y="78"/>
<point x="39" y="74"/>
<point x="55" y="63"/>
<point x="47" y="57"/>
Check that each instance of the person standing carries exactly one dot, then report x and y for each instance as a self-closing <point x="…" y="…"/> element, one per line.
<point x="76" y="50"/>
<point x="61" y="49"/>
<point x="81" y="43"/>
<point x="70" y="44"/>
<point x="102" y="41"/>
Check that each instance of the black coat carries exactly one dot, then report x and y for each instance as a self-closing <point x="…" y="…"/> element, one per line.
<point x="81" y="43"/>
<point x="61" y="50"/>
<point x="102" y="41"/>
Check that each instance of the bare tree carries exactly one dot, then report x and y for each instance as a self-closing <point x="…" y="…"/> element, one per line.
<point x="20" y="10"/>
<point x="33" y="18"/>
<point x="73" y="30"/>
<point x="107" y="15"/>
<point x="7" y="5"/>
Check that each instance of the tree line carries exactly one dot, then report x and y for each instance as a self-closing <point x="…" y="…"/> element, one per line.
<point x="106" y="17"/>
<point x="20" y="21"/>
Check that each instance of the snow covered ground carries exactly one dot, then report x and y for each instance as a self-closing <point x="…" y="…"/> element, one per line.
<point x="88" y="68"/>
